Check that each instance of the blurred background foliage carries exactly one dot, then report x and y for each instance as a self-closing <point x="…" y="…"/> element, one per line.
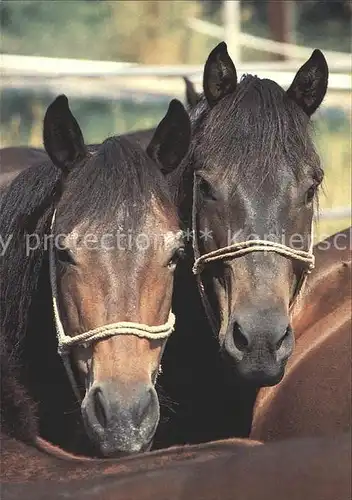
<point x="155" y="32"/>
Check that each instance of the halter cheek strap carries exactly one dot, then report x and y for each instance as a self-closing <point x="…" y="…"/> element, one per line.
<point x="66" y="342"/>
<point x="240" y="249"/>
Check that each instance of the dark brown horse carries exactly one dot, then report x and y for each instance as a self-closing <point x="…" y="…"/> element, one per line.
<point x="314" y="397"/>
<point x="252" y="173"/>
<point x="256" y="175"/>
<point x="314" y="469"/>
<point x="90" y="245"/>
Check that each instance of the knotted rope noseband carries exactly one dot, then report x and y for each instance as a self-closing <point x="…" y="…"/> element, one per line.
<point x="66" y="342"/>
<point x="240" y="249"/>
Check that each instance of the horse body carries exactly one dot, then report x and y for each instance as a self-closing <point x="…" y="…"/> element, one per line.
<point x="318" y="469"/>
<point x="24" y="463"/>
<point x="314" y="397"/>
<point x="13" y="160"/>
<point x="329" y="283"/>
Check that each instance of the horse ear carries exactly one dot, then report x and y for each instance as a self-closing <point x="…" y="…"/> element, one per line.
<point x="62" y="136"/>
<point x="192" y="95"/>
<point x="171" y="138"/>
<point x="309" y="86"/>
<point x="220" y="75"/>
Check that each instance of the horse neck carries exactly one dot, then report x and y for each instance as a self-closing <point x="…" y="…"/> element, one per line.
<point x="318" y="301"/>
<point x="186" y="299"/>
<point x="17" y="411"/>
<point x="44" y="375"/>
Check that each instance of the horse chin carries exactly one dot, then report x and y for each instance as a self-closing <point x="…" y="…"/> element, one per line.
<point x="115" y="443"/>
<point x="110" y="449"/>
<point x="261" y="377"/>
<point x="117" y="425"/>
<point x="253" y="375"/>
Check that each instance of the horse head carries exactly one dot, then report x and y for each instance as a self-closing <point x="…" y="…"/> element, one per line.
<point x="114" y="244"/>
<point x="256" y="176"/>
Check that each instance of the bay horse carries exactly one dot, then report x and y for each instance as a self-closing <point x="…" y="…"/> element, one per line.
<point x="311" y="468"/>
<point x="314" y="397"/>
<point x="247" y="190"/>
<point x="80" y="290"/>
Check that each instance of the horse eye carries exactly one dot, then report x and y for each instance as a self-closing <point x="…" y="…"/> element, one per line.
<point x="206" y="190"/>
<point x="310" y="194"/>
<point x="65" y="256"/>
<point x="178" y="255"/>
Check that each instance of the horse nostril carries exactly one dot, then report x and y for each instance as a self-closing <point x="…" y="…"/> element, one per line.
<point x="283" y="338"/>
<point x="99" y="408"/>
<point x="240" y="340"/>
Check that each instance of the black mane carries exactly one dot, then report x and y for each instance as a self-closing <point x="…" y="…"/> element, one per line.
<point x="26" y="207"/>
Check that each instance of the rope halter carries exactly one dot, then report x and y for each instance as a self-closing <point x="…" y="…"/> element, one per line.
<point x="66" y="342"/>
<point x="240" y="249"/>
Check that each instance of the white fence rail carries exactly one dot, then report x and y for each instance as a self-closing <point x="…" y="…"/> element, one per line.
<point x="336" y="213"/>
<point x="107" y="79"/>
<point x="102" y="78"/>
<point x="337" y="60"/>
